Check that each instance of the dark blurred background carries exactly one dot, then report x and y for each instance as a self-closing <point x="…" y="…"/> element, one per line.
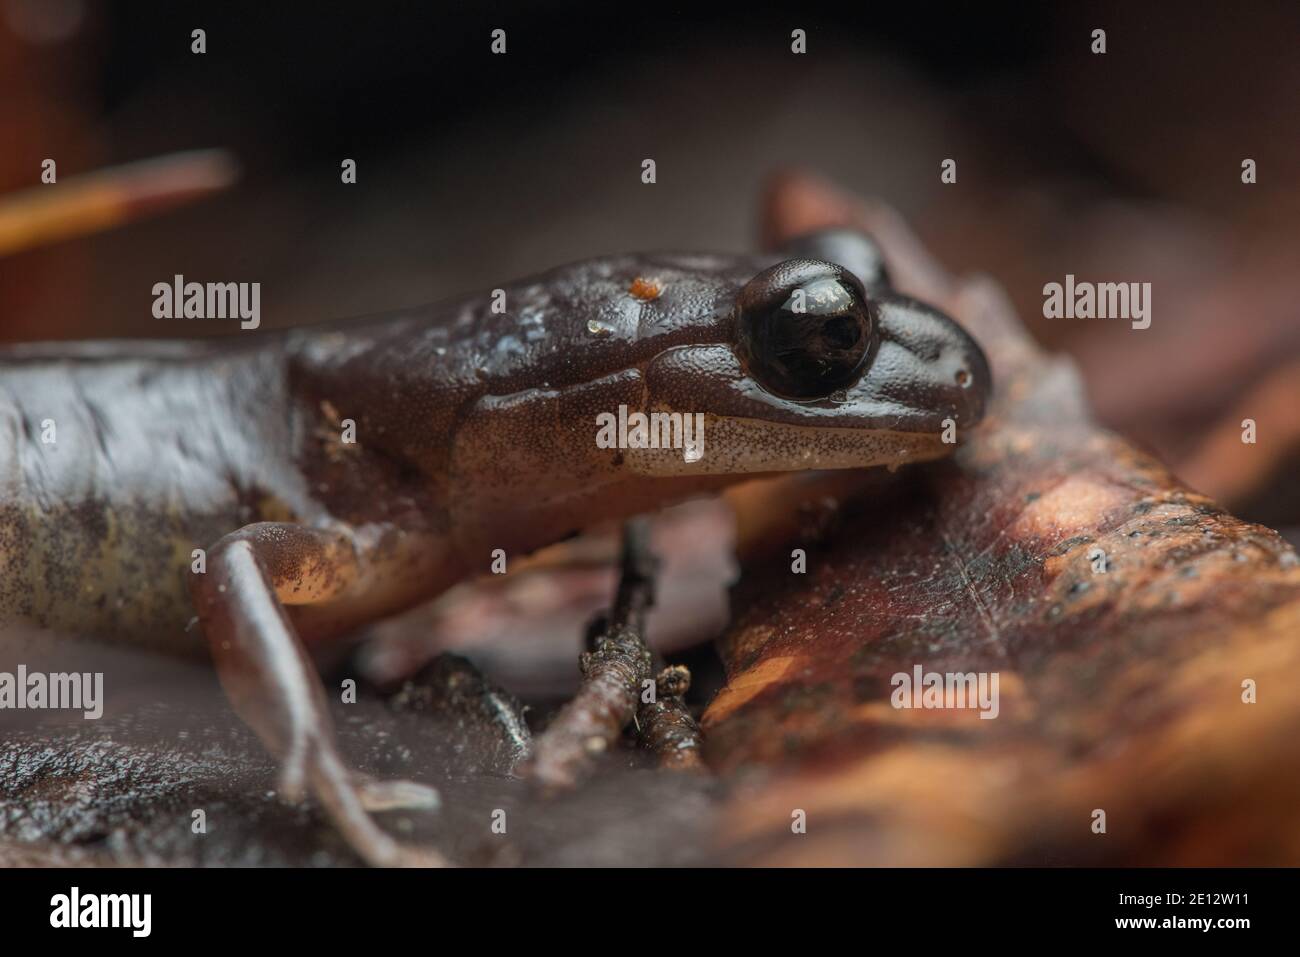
<point x="474" y="168"/>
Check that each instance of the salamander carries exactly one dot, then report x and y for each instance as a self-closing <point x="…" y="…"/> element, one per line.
<point x="259" y="493"/>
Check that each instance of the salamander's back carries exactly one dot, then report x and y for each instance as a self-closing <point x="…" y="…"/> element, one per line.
<point x="117" y="459"/>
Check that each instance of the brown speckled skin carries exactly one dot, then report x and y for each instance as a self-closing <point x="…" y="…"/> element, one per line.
<point x="474" y="430"/>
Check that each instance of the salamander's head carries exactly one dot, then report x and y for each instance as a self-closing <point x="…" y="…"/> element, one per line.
<point x="824" y="366"/>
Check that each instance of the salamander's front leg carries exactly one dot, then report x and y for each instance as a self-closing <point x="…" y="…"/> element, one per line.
<point x="251" y="575"/>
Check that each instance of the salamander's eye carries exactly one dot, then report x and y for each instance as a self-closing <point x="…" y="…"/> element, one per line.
<point x="805" y="329"/>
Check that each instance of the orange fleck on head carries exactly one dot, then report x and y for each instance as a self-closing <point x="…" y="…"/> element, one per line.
<point x="645" y="289"/>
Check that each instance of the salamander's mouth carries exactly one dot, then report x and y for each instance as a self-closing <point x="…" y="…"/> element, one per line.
<point x="739" y="446"/>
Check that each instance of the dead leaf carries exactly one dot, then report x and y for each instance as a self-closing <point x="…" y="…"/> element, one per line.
<point x="1120" y="678"/>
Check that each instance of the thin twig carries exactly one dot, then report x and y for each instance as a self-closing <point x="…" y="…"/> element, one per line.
<point x="614" y="671"/>
<point x="667" y="727"/>
<point x="92" y="202"/>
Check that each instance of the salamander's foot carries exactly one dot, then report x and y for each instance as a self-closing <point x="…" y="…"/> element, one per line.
<point x="313" y="766"/>
<point x="273" y="686"/>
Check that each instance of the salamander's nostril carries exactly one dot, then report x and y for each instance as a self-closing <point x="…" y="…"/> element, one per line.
<point x="963" y="378"/>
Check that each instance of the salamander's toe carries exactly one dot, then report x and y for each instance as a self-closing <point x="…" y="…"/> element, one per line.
<point x="343" y="795"/>
<point x="397" y="795"/>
